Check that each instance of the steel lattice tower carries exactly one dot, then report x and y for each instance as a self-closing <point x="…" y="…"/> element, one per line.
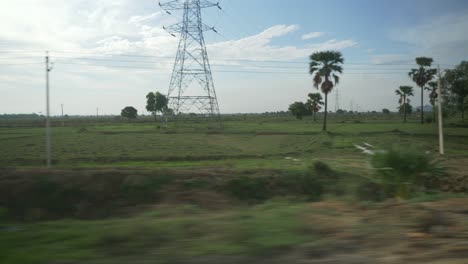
<point x="192" y="71"/>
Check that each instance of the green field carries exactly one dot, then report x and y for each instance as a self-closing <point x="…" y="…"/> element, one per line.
<point x="250" y="143"/>
<point x="262" y="190"/>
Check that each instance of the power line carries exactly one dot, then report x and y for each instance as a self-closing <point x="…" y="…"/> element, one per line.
<point x="225" y="71"/>
<point x="220" y="59"/>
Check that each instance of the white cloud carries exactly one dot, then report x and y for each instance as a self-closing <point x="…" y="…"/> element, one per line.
<point x="260" y="47"/>
<point x="313" y="35"/>
<point x="442" y="37"/>
<point x="118" y="27"/>
<point x="390" y="59"/>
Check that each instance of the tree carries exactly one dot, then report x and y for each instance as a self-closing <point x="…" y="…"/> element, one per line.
<point x="405" y="109"/>
<point x="161" y="102"/>
<point x="457" y="82"/>
<point x="314" y="103"/>
<point x="386" y="111"/>
<point x="404" y="92"/>
<point x="432" y="88"/>
<point x="151" y="104"/>
<point x="129" y="112"/>
<point x="325" y="67"/>
<point x="156" y="103"/>
<point x="422" y="76"/>
<point x="298" y="109"/>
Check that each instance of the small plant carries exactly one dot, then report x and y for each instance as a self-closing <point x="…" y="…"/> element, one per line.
<point x="402" y="172"/>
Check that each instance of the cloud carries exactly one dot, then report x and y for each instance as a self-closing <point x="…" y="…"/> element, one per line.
<point x="391" y="59"/>
<point x="260" y="47"/>
<point x="443" y="37"/>
<point x="312" y="35"/>
<point x="121" y="27"/>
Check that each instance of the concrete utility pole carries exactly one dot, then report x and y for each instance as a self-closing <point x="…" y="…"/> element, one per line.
<point x="63" y="122"/>
<point x="439" y="110"/>
<point x="48" y="141"/>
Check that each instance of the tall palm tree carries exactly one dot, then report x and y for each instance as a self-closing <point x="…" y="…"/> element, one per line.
<point x="315" y="103"/>
<point x="422" y="76"/>
<point x="432" y="88"/>
<point x="404" y="92"/>
<point x="324" y="67"/>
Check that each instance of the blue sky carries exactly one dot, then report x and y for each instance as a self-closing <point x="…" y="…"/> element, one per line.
<point x="377" y="38"/>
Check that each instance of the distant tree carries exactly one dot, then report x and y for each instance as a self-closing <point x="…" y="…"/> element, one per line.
<point x="422" y="76"/>
<point x="156" y="103"/>
<point x="298" y="109"/>
<point x="404" y="92"/>
<point x="314" y="103"/>
<point x="324" y="67"/>
<point x="405" y="109"/>
<point x="457" y="82"/>
<point x="151" y="104"/>
<point x="129" y="112"/>
<point x="432" y="88"/>
<point x="340" y="111"/>
<point x="386" y="111"/>
<point x="161" y="102"/>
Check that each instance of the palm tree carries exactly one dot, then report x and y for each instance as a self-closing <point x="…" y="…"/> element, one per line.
<point x="324" y="67"/>
<point x="422" y="76"/>
<point x="404" y="92"/>
<point x="314" y="103"/>
<point x="432" y="88"/>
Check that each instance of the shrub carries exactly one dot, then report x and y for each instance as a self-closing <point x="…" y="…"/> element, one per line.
<point x="371" y="191"/>
<point x="405" y="171"/>
<point x="249" y="188"/>
<point x="429" y="119"/>
<point x="310" y="186"/>
<point x="328" y="178"/>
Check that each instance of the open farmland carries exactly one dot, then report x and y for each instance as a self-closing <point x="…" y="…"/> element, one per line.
<point x="137" y="193"/>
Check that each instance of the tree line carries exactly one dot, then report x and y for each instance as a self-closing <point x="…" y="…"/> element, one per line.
<point x="326" y="67"/>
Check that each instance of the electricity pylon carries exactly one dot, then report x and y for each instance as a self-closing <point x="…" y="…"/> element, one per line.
<point x="191" y="83"/>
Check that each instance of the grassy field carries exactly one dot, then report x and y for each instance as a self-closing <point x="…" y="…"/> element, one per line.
<point x="241" y="143"/>
<point x="263" y="190"/>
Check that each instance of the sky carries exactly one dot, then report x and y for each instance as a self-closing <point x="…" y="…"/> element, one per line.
<point x="379" y="41"/>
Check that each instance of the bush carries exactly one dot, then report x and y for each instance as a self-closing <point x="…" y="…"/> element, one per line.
<point x="429" y="119"/>
<point x="310" y="186"/>
<point x="328" y="178"/>
<point x="404" y="172"/>
<point x="371" y="191"/>
<point x="249" y="188"/>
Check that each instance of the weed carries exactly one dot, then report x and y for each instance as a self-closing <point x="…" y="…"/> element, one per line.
<point x="404" y="172"/>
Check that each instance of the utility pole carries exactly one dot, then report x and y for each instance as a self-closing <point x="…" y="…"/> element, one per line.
<point x="439" y="110"/>
<point x="63" y="121"/>
<point x="192" y="71"/>
<point x="48" y="68"/>
<point x="97" y="112"/>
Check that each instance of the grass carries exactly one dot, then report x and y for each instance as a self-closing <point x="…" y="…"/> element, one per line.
<point x="132" y="193"/>
<point x="242" y="144"/>
<point x="176" y="235"/>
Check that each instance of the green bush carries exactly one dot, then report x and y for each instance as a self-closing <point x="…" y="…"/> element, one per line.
<point x="404" y="172"/>
<point x="371" y="191"/>
<point x="429" y="119"/>
<point x="326" y="177"/>
<point x="140" y="189"/>
<point x="249" y="188"/>
<point x="310" y="186"/>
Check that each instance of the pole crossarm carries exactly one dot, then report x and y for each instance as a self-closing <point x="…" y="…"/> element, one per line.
<point x="179" y="27"/>
<point x="181" y="4"/>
